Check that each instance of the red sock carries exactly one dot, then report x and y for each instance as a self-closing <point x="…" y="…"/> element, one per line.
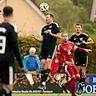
<point x="71" y="83"/>
<point x="67" y="83"/>
<point x="72" y="86"/>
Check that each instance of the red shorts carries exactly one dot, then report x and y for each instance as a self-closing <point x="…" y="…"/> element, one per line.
<point x="70" y="70"/>
<point x="54" y="66"/>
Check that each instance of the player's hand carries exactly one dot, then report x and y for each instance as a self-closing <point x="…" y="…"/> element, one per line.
<point x="49" y="31"/>
<point x="84" y="42"/>
<point x="88" y="50"/>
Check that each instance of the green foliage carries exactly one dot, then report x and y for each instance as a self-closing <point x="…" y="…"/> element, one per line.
<point x="91" y="68"/>
<point x="26" y="43"/>
<point x="69" y="12"/>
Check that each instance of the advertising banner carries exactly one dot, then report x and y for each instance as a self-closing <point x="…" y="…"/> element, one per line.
<point x="23" y="85"/>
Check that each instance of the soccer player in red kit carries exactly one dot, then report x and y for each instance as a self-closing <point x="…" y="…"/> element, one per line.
<point x="64" y="57"/>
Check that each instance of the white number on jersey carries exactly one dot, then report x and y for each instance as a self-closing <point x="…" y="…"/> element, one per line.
<point x="2" y="44"/>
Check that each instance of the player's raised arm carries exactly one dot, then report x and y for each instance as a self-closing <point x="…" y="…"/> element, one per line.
<point x="58" y="35"/>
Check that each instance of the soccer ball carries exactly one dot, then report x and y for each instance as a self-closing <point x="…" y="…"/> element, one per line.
<point x="57" y="76"/>
<point x="44" y="7"/>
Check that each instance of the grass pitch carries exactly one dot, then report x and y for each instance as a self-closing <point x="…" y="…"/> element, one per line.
<point x="51" y="95"/>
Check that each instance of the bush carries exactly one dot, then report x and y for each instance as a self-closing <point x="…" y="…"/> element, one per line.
<point x="26" y="42"/>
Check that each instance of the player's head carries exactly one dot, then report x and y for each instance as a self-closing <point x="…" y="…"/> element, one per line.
<point x="65" y="37"/>
<point x="7" y="12"/>
<point x="78" y="28"/>
<point x="32" y="51"/>
<point x="49" y="18"/>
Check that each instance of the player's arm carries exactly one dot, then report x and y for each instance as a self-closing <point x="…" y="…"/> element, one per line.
<point x="81" y="49"/>
<point x="58" y="35"/>
<point x="89" y="41"/>
<point x="59" y="54"/>
<point x="39" y="39"/>
<point x="14" y="46"/>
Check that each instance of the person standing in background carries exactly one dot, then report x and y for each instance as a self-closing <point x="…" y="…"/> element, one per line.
<point x="81" y="39"/>
<point x="8" y="49"/>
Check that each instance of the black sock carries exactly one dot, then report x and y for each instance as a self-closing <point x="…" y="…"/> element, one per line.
<point x="82" y="80"/>
<point x="46" y="74"/>
<point x="42" y="75"/>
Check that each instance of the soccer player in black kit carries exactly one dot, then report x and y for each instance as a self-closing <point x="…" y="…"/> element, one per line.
<point x="49" y="33"/>
<point x="81" y="58"/>
<point x="8" y="49"/>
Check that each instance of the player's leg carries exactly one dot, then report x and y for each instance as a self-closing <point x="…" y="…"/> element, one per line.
<point x="43" y="57"/>
<point x="7" y="81"/>
<point x="72" y="82"/>
<point x="82" y="80"/>
<point x="42" y="86"/>
<point x="47" y="69"/>
<point x="83" y="74"/>
<point x="29" y="78"/>
<point x="70" y="73"/>
<point x="50" y="51"/>
<point x="76" y="72"/>
<point x="1" y="76"/>
<point x="83" y="63"/>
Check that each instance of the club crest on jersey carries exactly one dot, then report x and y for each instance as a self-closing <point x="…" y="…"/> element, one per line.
<point x="56" y="61"/>
<point x="81" y="39"/>
<point x="74" y="38"/>
<point x="50" y="26"/>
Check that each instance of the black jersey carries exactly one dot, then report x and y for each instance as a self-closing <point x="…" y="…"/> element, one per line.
<point x="8" y="45"/>
<point x="49" y="40"/>
<point x="77" y="39"/>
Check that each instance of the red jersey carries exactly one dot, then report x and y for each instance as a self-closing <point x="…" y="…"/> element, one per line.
<point x="65" y="51"/>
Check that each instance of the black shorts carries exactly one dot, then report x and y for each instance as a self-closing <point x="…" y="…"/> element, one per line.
<point x="48" y="52"/>
<point x="6" y="74"/>
<point x="81" y="60"/>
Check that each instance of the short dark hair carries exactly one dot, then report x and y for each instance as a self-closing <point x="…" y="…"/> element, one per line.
<point x="51" y="15"/>
<point x="78" y="24"/>
<point x="7" y="11"/>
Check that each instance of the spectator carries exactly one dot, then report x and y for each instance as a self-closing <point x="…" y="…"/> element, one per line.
<point x="31" y="64"/>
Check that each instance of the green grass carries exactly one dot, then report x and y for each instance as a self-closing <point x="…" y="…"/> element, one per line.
<point x="51" y="95"/>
